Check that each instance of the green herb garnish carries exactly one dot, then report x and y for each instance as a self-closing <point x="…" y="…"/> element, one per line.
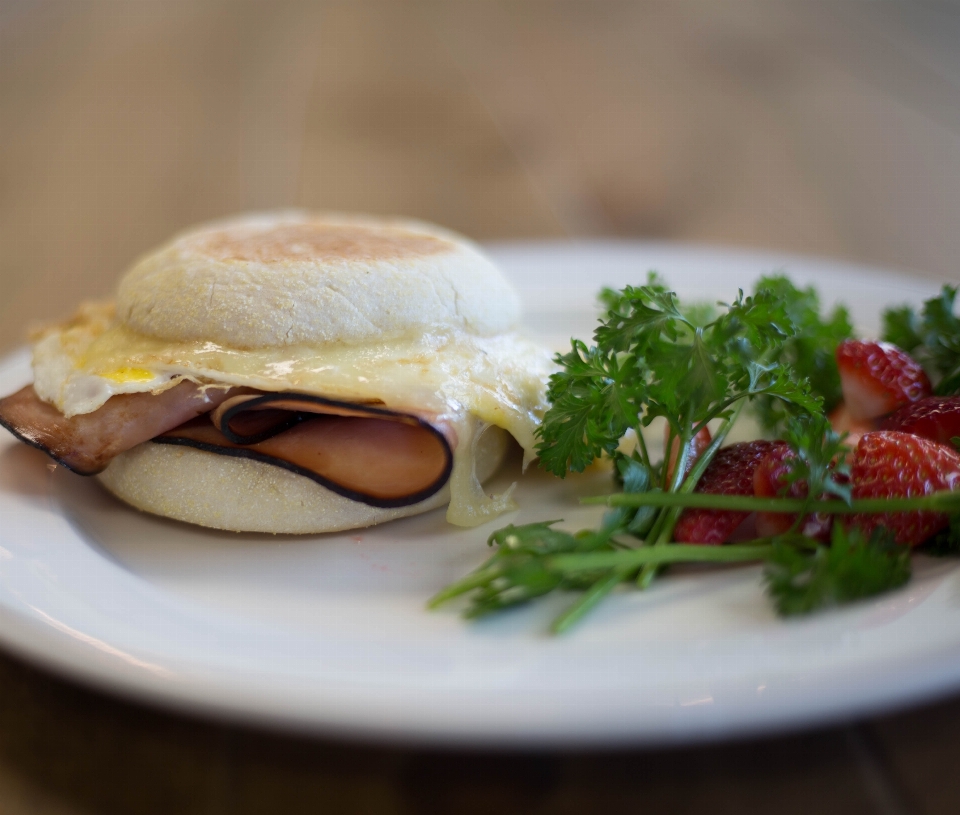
<point x="809" y="350"/>
<point x="649" y="359"/>
<point x="652" y="356"/>
<point x="932" y="337"/>
<point x="946" y="543"/>
<point x="853" y="567"/>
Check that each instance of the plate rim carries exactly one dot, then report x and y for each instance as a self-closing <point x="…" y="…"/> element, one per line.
<point x="49" y="648"/>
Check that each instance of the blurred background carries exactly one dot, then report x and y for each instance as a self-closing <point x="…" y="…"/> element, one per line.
<point x="828" y="128"/>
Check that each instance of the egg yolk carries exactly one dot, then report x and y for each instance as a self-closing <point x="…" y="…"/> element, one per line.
<point x="129" y="375"/>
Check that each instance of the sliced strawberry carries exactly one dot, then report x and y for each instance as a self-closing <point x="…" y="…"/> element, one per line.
<point x="730" y="473"/>
<point x="770" y="480"/>
<point x="695" y="449"/>
<point x="842" y="422"/>
<point x="877" y="378"/>
<point x="936" y="418"/>
<point x="889" y="464"/>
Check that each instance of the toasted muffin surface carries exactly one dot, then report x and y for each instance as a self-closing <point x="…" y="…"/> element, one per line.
<point x="294" y="278"/>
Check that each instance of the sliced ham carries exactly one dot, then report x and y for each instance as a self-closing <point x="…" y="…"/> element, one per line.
<point x="367" y="453"/>
<point x="87" y="442"/>
<point x="249" y="418"/>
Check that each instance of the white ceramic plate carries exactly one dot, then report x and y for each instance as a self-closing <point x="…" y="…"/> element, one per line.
<point x="329" y="634"/>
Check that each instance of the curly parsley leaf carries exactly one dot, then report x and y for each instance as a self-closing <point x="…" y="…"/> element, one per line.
<point x="594" y="401"/>
<point x="762" y="319"/>
<point x="640" y="317"/>
<point x="946" y="543"/>
<point x="521" y="569"/>
<point x="779" y="382"/>
<point x="808" y="351"/>
<point x="649" y="359"/>
<point x="901" y="326"/>
<point x="851" y="568"/>
<point x="821" y="460"/>
<point x="931" y="337"/>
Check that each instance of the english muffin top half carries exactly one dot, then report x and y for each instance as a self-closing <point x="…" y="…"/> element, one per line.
<point x="297" y="278"/>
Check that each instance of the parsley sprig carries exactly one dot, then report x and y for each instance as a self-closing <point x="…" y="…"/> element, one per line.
<point x="809" y="351"/>
<point x="652" y="356"/>
<point x="801" y="575"/>
<point x="649" y="359"/>
<point x="801" y="580"/>
<point x="932" y="337"/>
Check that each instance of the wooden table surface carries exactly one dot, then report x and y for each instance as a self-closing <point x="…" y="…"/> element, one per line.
<point x="822" y="128"/>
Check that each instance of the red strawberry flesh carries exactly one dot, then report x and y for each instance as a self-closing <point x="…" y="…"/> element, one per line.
<point x="936" y="418"/>
<point x="730" y="473"/>
<point x="878" y="377"/>
<point x="770" y="480"/>
<point x="889" y="464"/>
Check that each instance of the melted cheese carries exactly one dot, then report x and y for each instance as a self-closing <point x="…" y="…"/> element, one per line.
<point x="467" y="380"/>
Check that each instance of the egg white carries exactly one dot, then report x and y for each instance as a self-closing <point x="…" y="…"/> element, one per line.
<point x="499" y="380"/>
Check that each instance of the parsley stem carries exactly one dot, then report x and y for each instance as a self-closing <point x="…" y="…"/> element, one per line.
<point x="642" y="446"/>
<point x="626" y="559"/>
<point x="668" y="519"/>
<point x="701" y="464"/>
<point x="944" y="501"/>
<point x="679" y="470"/>
<point x="472" y="581"/>
<point x="591" y="597"/>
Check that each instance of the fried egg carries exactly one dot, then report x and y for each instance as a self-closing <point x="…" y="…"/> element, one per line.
<point x="501" y="380"/>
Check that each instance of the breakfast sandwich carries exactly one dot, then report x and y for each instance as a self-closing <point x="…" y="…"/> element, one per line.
<point x="293" y="372"/>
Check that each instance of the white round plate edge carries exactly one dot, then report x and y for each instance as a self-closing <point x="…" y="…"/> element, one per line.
<point x="67" y="654"/>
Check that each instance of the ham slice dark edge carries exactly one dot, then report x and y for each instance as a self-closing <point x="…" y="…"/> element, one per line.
<point x="367" y="453"/>
<point x="87" y="442"/>
<point x="380" y="457"/>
